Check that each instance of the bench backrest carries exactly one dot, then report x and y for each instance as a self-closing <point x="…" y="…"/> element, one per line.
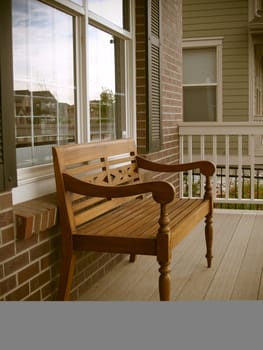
<point x="106" y="163"/>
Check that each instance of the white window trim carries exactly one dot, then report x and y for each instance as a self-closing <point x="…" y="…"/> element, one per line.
<point x="255" y="9"/>
<point x="252" y="113"/>
<point x="38" y="181"/>
<point x="216" y="42"/>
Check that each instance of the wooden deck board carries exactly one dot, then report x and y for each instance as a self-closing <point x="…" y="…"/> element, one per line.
<point x="247" y="283"/>
<point x="200" y="279"/>
<point x="236" y="272"/>
<point x="223" y="283"/>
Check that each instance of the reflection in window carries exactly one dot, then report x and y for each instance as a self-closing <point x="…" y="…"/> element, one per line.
<point x="43" y="80"/>
<point x="113" y="10"/>
<point x="106" y="86"/>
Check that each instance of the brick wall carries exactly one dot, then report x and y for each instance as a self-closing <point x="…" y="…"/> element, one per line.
<point x="29" y="268"/>
<point x="171" y="81"/>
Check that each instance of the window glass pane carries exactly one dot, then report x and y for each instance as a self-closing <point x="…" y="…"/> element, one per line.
<point x="199" y="103"/>
<point x="43" y="80"/>
<point x="106" y="86"/>
<point x="112" y="10"/>
<point x="199" y="66"/>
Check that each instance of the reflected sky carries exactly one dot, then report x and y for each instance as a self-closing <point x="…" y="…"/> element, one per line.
<point x="101" y="62"/>
<point x="112" y="10"/>
<point x="44" y="54"/>
<point x="43" y="49"/>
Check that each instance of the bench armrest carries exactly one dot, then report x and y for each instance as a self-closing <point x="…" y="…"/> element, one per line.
<point x="162" y="191"/>
<point x="207" y="168"/>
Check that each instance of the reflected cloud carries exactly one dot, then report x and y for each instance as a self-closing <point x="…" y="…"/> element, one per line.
<point x="112" y="10"/>
<point x="43" y="48"/>
<point x="101" y="62"/>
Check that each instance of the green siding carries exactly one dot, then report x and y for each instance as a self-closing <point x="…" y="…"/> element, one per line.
<point x="227" y="19"/>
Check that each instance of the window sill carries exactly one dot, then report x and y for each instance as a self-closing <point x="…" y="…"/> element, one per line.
<point x="35" y="215"/>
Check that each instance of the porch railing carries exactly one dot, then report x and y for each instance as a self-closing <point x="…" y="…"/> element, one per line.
<point x="236" y="150"/>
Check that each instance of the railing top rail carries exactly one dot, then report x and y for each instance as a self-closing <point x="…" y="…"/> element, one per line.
<point x="230" y="128"/>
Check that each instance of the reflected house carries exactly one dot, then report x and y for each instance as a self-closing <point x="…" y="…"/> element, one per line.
<point x="102" y="118"/>
<point x="39" y="116"/>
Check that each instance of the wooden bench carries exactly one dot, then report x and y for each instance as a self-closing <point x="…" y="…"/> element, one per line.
<point x="105" y="206"/>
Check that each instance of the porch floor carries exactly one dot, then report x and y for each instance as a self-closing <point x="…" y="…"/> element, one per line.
<point x="236" y="272"/>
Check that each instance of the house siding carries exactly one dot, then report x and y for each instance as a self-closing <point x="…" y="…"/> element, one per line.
<point x="229" y="20"/>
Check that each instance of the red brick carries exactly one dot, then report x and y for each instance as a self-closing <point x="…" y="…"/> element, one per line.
<point x="50" y="232"/>
<point x="19" y="293"/>
<point x="55" y="242"/>
<point x="50" y="259"/>
<point x="55" y="270"/>
<point x="6" y="218"/>
<point x="24" y="225"/>
<point x="29" y="272"/>
<point x="7" y="285"/>
<point x="50" y="289"/>
<point x="22" y="245"/>
<point x="7" y="251"/>
<point x="8" y="235"/>
<point x="5" y="200"/>
<point x="39" y="280"/>
<point x="34" y="297"/>
<point x="16" y="263"/>
<point x="39" y="250"/>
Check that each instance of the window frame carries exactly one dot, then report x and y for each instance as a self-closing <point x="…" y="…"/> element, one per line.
<point x="217" y="43"/>
<point x="254" y="40"/>
<point x="8" y="176"/>
<point x="39" y="180"/>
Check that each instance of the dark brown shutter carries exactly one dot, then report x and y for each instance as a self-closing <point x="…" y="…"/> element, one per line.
<point x="1" y="147"/>
<point x="154" y="112"/>
<point x="7" y="118"/>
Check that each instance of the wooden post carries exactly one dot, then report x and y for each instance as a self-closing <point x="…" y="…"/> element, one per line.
<point x="164" y="254"/>
<point x="209" y="223"/>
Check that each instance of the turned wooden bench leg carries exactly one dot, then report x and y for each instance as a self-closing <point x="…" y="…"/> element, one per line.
<point x="164" y="281"/>
<point x="132" y="257"/>
<point x="209" y="238"/>
<point x="66" y="275"/>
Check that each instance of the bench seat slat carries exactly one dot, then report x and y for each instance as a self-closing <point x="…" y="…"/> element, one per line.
<point x="122" y="221"/>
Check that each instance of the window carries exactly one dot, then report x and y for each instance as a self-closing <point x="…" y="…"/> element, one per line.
<point x="44" y="82"/>
<point x="115" y="11"/>
<point x="73" y="80"/>
<point x="258" y="8"/>
<point x="107" y="91"/>
<point x="201" y="81"/>
<point x="255" y="9"/>
<point x="108" y="69"/>
<point x="7" y="144"/>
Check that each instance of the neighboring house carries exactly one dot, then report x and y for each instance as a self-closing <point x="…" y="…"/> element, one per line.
<point x="56" y="60"/>
<point x="223" y="57"/>
<point x="223" y="82"/>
